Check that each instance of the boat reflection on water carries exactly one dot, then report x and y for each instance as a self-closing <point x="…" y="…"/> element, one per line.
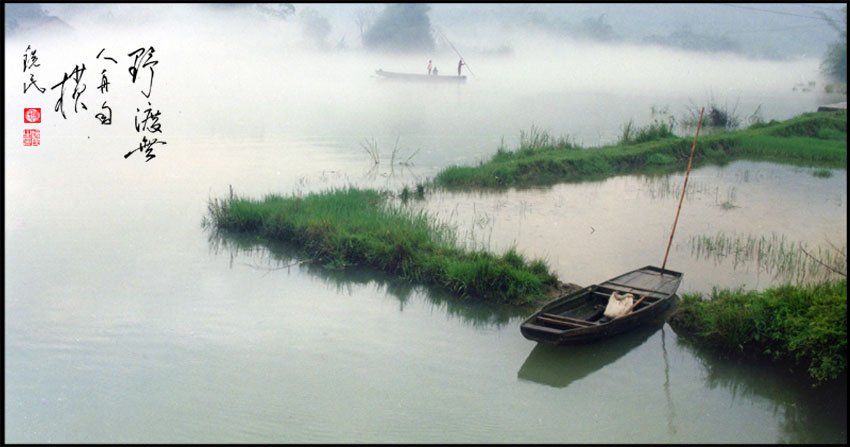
<point x="559" y="366"/>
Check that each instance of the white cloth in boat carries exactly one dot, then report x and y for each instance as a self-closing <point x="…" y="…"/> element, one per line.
<point x="618" y="304"/>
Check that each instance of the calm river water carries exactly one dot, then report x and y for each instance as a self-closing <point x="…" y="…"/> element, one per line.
<point x="126" y="321"/>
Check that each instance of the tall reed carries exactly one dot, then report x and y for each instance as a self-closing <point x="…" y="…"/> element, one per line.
<point x="788" y="260"/>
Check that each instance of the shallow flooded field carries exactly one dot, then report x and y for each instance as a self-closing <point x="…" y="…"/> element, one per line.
<point x="592" y="231"/>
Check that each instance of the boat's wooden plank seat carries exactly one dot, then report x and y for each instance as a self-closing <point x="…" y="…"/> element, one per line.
<point x="538" y="327"/>
<point x="562" y="323"/>
<point x="569" y="319"/>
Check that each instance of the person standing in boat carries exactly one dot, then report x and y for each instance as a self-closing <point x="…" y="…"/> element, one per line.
<point x="429" y="67"/>
<point x="459" y="64"/>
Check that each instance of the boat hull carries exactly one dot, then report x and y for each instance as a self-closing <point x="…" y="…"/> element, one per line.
<point x="577" y="317"/>
<point x="389" y="75"/>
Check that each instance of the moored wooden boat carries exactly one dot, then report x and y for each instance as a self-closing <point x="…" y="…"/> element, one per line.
<point x="418" y="77"/>
<point x="578" y="316"/>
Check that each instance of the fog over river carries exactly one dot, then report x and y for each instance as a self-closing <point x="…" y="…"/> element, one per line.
<point x="126" y="321"/>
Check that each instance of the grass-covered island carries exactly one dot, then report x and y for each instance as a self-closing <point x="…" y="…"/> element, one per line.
<point x="352" y="226"/>
<point x="801" y="326"/>
<point x="814" y="139"/>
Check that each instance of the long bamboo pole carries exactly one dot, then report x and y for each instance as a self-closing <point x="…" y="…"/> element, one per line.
<point x="690" y="160"/>
<point x="443" y="35"/>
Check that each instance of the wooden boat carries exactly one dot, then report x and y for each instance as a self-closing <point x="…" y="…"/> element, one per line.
<point x="578" y="316"/>
<point x="418" y="77"/>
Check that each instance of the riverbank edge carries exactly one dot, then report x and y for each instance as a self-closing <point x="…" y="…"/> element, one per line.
<point x="801" y="326"/>
<point x="817" y="139"/>
<point x="351" y="226"/>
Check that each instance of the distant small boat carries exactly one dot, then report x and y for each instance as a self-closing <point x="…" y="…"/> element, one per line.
<point x="578" y="316"/>
<point x="419" y="77"/>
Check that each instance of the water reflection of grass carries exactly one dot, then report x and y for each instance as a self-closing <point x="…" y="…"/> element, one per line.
<point x="789" y="260"/>
<point x="822" y="173"/>
<point x="809" y="416"/>
<point x="729" y="203"/>
<point x="662" y="187"/>
<point x="277" y="256"/>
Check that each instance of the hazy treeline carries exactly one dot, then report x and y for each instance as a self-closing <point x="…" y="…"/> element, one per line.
<point x="18" y="15"/>
<point x="835" y="62"/>
<point x="404" y="27"/>
<point x="772" y="31"/>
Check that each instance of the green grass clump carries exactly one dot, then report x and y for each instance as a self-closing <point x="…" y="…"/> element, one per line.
<point x="809" y="124"/>
<point x="801" y="325"/>
<point x="660" y="159"/>
<point x="532" y="143"/>
<point x="655" y="131"/>
<point x="828" y="133"/>
<point x="838" y="87"/>
<point x="800" y="150"/>
<point x="814" y="139"/>
<point x="350" y="226"/>
<point x="822" y="173"/>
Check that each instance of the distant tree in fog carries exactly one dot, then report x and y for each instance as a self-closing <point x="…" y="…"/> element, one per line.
<point x="363" y="17"/>
<point x="401" y="27"/>
<point x="686" y="39"/>
<point x="32" y="18"/>
<point x="15" y="13"/>
<point x="279" y="10"/>
<point x="834" y="64"/>
<point x="551" y="24"/>
<point x="597" y="29"/>
<point x="593" y="29"/>
<point x="315" y="28"/>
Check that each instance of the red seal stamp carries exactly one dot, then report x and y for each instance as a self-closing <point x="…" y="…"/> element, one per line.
<point x="32" y="115"/>
<point x="32" y="137"/>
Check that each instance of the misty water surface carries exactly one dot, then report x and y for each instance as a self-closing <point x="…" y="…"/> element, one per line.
<point x="128" y="322"/>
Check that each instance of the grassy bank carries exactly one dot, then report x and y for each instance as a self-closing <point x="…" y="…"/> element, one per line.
<point x="813" y="139"/>
<point x="799" y="325"/>
<point x="351" y="226"/>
